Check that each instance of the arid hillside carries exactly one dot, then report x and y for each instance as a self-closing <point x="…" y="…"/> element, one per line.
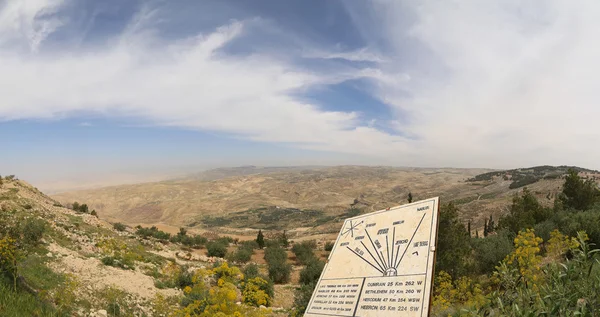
<point x="309" y="201"/>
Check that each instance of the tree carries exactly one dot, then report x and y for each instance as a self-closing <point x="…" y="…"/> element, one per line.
<point x="182" y="232"/>
<point x="260" y="239"/>
<point x="454" y="246"/>
<point x="577" y="193"/>
<point x="491" y="225"/>
<point x="525" y="212"/>
<point x="76" y="206"/>
<point x="469" y="227"/>
<point x="84" y="208"/>
<point x="284" y="240"/>
<point x="279" y="269"/>
<point x="485" y="229"/>
<point x="217" y="249"/>
<point x="410" y="197"/>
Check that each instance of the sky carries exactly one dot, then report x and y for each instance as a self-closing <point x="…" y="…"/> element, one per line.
<point x="123" y="91"/>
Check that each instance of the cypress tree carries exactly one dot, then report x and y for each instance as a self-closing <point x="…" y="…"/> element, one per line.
<point x="260" y="239"/>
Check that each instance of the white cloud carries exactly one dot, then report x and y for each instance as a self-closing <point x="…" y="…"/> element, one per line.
<point x="486" y="83"/>
<point x="184" y="83"/>
<point x="514" y="82"/>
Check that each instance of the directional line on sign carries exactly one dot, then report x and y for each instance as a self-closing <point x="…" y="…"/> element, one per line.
<point x="387" y="248"/>
<point x="358" y="255"/>
<point x="393" y="241"/>
<point x="409" y="242"/>
<point x="375" y="248"/>
<point x="374" y="259"/>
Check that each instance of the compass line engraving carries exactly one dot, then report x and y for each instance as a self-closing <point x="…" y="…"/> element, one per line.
<point x="374" y="259"/>
<point x="365" y="260"/>
<point x="375" y="248"/>
<point x="387" y="247"/>
<point x="393" y="241"/>
<point x="409" y="242"/>
<point x="352" y="228"/>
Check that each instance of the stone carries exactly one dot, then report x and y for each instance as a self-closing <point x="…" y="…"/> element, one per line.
<point x="102" y="313"/>
<point x="49" y="254"/>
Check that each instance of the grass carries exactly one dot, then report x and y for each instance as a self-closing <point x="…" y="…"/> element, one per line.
<point x="38" y="275"/>
<point x="21" y="303"/>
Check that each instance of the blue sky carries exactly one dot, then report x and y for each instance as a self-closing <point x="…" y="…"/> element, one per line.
<point x="98" y="92"/>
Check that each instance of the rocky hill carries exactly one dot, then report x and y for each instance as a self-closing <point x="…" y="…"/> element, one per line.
<point x="311" y="200"/>
<point x="71" y="263"/>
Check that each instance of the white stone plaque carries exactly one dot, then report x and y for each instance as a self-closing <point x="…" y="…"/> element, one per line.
<point x="381" y="264"/>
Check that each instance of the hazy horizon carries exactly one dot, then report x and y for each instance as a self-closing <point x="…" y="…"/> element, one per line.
<point x="99" y="92"/>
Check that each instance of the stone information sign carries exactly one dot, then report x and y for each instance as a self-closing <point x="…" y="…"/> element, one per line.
<point x="381" y="264"/>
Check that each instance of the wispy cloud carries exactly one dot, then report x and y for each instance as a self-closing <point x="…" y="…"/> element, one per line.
<point x="472" y="83"/>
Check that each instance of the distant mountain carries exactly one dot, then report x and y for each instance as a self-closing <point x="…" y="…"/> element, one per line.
<point x="311" y="200"/>
<point x="225" y="172"/>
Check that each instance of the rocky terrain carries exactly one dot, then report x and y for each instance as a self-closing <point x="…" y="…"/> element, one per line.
<point x="69" y="265"/>
<point x="310" y="201"/>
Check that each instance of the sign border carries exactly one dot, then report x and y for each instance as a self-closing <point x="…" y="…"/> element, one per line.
<point x="432" y="248"/>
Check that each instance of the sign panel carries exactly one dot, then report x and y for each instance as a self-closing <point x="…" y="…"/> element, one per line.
<point x="381" y="264"/>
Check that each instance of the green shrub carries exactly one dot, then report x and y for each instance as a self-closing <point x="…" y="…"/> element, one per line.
<point x="302" y="298"/>
<point x="250" y="271"/>
<point x="279" y="270"/>
<point x="241" y="255"/>
<point x="119" y="226"/>
<point x="27" y="206"/>
<point x="33" y="231"/>
<point x="311" y="272"/>
<point x="453" y="249"/>
<point x="250" y="245"/>
<point x="329" y="246"/>
<point x="304" y="251"/>
<point x="489" y="251"/>
<point x="216" y="249"/>
<point x="577" y="193"/>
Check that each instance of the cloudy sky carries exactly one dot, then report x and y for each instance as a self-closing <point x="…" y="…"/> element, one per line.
<point x="98" y="89"/>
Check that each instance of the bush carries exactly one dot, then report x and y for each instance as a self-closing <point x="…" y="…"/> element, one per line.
<point x="241" y="255"/>
<point x="33" y="231"/>
<point x="251" y="271"/>
<point x="304" y="251"/>
<point x="279" y="270"/>
<point x="275" y="254"/>
<point x="216" y="249"/>
<point x="302" y="298"/>
<point x="329" y="246"/>
<point x="256" y="292"/>
<point x="490" y="251"/>
<point x="250" y="245"/>
<point x="152" y="232"/>
<point x="119" y="226"/>
<point x="311" y="272"/>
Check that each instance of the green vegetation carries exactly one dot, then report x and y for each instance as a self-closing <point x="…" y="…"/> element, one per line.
<point x="195" y="241"/>
<point x="329" y="246"/>
<point x="119" y="226"/>
<point x="152" y="232"/>
<point x="217" y="248"/>
<point x="271" y="218"/>
<point x="526" y="176"/>
<point x="304" y="251"/>
<point x="505" y="274"/>
<point x="279" y="269"/>
<point x="260" y="239"/>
